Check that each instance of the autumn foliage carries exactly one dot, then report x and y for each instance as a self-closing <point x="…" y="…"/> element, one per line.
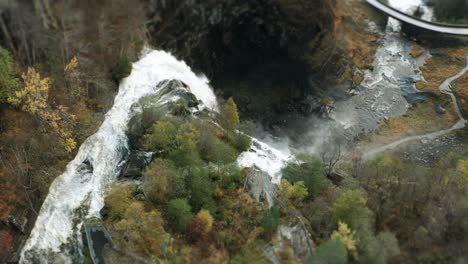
<point x="34" y="99"/>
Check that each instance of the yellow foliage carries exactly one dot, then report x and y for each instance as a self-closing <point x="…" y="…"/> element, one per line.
<point x="34" y="98"/>
<point x="297" y="192"/>
<point x="72" y="66"/>
<point x="346" y="236"/>
<point x="206" y="217"/>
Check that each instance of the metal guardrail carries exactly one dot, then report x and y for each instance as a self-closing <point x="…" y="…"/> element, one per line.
<point x="460" y="30"/>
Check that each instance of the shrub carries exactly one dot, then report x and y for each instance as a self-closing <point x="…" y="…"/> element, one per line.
<point x="201" y="190"/>
<point x="310" y="170"/>
<point x="179" y="214"/>
<point x="222" y="153"/>
<point x="119" y="200"/>
<point x="157" y="180"/>
<point x="296" y="193"/>
<point x="122" y="69"/>
<point x="201" y="225"/>
<point x="160" y="136"/>
<point x="242" y="142"/>
<point x="141" y="231"/>
<point x="350" y="208"/>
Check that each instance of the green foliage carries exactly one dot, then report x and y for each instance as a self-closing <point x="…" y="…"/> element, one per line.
<point x="122" y="69"/>
<point x="379" y="249"/>
<point x="160" y="136"/>
<point x="271" y="220"/>
<point x="222" y="153"/>
<point x="176" y="141"/>
<point x="350" y="208"/>
<point x="201" y="190"/>
<point x="9" y="83"/>
<point x="179" y="214"/>
<point x="184" y="152"/>
<point x="330" y="252"/>
<point x="242" y="142"/>
<point x="310" y="170"/>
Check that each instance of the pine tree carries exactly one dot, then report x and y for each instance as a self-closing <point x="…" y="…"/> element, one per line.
<point x="230" y="116"/>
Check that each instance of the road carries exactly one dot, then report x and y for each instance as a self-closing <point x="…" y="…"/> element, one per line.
<point x="436" y="27"/>
<point x="444" y="88"/>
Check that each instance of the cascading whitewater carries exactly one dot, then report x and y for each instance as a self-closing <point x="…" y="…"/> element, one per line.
<point x="79" y="192"/>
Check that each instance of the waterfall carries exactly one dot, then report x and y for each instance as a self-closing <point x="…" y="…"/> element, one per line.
<point x="79" y="192"/>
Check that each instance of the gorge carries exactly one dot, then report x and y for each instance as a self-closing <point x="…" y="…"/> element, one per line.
<point x="295" y="144"/>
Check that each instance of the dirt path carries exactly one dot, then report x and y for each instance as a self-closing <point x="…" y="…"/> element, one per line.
<point x="444" y="88"/>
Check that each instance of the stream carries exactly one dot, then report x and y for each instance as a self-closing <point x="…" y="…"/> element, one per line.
<point x="444" y="88"/>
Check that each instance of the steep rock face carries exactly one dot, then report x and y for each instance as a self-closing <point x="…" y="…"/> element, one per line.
<point x="265" y="53"/>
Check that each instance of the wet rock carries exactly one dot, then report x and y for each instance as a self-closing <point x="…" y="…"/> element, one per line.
<point x="17" y="224"/>
<point x="137" y="162"/>
<point x="300" y="240"/>
<point x="260" y="186"/>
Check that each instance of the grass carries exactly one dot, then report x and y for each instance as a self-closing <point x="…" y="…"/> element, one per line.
<point x="420" y="119"/>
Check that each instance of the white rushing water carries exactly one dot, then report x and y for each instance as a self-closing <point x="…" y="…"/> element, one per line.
<point x="265" y="158"/>
<point x="388" y="89"/>
<point x="79" y="192"/>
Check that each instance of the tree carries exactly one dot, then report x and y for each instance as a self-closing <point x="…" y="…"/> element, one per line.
<point x="222" y="153"/>
<point x="379" y="249"/>
<point x="9" y="83"/>
<point x="296" y="192"/>
<point x="330" y="252"/>
<point x="201" y="225"/>
<point x="201" y="190"/>
<point x="230" y="116"/>
<point x="184" y="152"/>
<point x="34" y="98"/>
<point x="350" y="208"/>
<point x="119" y="200"/>
<point x="141" y="231"/>
<point x="346" y="236"/>
<point x="310" y="170"/>
<point x="160" y="136"/>
<point x="179" y="214"/>
<point x="157" y="180"/>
